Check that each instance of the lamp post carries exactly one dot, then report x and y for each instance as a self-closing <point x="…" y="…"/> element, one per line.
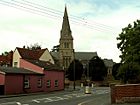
<point x="74" y="74"/>
<point x="73" y="70"/>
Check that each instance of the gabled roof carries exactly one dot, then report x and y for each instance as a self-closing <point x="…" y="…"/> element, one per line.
<point x="15" y="70"/>
<point x="78" y="55"/>
<point x="30" y="54"/>
<point x="45" y="64"/>
<point x="85" y="55"/>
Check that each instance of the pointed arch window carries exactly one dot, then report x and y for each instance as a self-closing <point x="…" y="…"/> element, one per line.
<point x="66" y="45"/>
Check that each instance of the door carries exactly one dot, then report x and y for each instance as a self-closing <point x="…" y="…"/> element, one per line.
<point x="1" y="89"/>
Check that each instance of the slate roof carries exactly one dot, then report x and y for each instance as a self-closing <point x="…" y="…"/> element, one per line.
<point x="30" y="54"/>
<point x="78" y="55"/>
<point x="45" y="64"/>
<point x="85" y="55"/>
<point x="15" y="70"/>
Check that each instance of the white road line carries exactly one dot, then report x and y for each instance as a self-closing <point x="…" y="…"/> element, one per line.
<point x="18" y="103"/>
<point x="8" y="103"/>
<point x="36" y="101"/>
<point x="48" y="100"/>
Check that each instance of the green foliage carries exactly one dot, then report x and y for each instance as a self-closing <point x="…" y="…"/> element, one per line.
<point x="55" y="48"/>
<point x="130" y="72"/>
<point x="97" y="69"/>
<point x="129" y="45"/>
<point x="78" y="70"/>
<point x="33" y="46"/>
<point x="115" y="71"/>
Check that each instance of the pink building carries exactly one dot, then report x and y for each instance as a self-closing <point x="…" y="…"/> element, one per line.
<point x="32" y="71"/>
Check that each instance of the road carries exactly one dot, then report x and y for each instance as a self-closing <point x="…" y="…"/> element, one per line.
<point x="60" y="98"/>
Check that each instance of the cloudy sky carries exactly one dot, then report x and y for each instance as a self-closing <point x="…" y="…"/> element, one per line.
<point x="95" y="24"/>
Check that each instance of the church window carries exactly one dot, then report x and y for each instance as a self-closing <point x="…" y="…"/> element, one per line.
<point x="66" y="45"/>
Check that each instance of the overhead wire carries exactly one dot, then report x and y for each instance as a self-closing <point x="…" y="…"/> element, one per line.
<point x="43" y="11"/>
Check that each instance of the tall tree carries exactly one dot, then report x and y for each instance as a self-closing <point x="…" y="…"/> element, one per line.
<point x="33" y="46"/>
<point x="55" y="48"/>
<point x="129" y="45"/>
<point x="76" y="67"/>
<point x="97" y="69"/>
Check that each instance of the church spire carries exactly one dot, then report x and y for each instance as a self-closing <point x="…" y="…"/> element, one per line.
<point x="66" y="31"/>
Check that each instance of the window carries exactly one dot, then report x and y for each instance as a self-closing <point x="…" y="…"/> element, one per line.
<point x="26" y="83"/>
<point x="56" y="83"/>
<point x="66" y="45"/>
<point x="39" y="84"/>
<point x="15" y="64"/>
<point x="48" y="83"/>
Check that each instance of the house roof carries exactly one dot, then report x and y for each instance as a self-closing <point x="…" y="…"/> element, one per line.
<point x="78" y="55"/>
<point x="44" y="64"/>
<point x="30" y="54"/>
<point x="85" y="55"/>
<point x="15" y="70"/>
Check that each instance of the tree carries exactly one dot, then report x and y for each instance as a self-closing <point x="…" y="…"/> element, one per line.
<point x="97" y="69"/>
<point x="78" y="70"/>
<point x="115" y="71"/>
<point x="55" y="48"/>
<point x="129" y="45"/>
<point x="33" y="46"/>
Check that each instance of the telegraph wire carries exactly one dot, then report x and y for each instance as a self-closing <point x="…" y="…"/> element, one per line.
<point x="52" y="13"/>
<point x="27" y="9"/>
<point x="72" y="16"/>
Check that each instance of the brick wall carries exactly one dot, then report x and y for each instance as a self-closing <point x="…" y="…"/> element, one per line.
<point x="125" y="93"/>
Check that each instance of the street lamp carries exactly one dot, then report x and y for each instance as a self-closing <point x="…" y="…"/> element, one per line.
<point x="73" y="70"/>
<point x="74" y="74"/>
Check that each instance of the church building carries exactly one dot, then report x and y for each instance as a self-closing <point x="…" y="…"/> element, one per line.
<point x="66" y="53"/>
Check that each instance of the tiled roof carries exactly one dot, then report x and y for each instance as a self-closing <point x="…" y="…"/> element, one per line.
<point x="15" y="70"/>
<point x="30" y="54"/>
<point x="44" y="64"/>
<point x="3" y="58"/>
<point x="85" y="55"/>
<point x="78" y="55"/>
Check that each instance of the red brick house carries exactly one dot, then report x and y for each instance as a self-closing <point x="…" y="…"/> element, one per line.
<point x="6" y="60"/>
<point x="32" y="71"/>
<point x="19" y="80"/>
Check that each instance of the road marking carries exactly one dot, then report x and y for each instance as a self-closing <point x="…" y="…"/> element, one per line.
<point x="48" y="100"/>
<point x="82" y="103"/>
<point x="8" y="103"/>
<point x="36" y="101"/>
<point x="18" y="103"/>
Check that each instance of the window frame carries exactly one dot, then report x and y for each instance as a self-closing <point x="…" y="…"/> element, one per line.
<point x="26" y="83"/>
<point x="56" y="83"/>
<point x="39" y="82"/>
<point x="48" y="83"/>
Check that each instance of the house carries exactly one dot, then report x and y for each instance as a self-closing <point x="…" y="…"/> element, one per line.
<point x="53" y="75"/>
<point x="19" y="80"/>
<point x="31" y="67"/>
<point x="6" y="60"/>
<point x="28" y="80"/>
<point x="24" y="53"/>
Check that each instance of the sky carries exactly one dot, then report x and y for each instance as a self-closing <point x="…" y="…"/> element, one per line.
<point x="95" y="24"/>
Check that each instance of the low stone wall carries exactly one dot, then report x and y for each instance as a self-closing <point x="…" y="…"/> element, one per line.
<point x="125" y="93"/>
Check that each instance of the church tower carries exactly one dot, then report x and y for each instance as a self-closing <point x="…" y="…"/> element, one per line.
<point x="66" y="51"/>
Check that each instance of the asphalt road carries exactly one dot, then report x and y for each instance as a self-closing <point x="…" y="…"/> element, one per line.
<point x="61" y="98"/>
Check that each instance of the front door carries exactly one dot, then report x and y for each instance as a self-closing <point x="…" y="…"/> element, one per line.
<point x="1" y="89"/>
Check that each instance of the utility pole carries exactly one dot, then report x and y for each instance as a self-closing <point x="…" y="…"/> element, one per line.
<point x="74" y="71"/>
